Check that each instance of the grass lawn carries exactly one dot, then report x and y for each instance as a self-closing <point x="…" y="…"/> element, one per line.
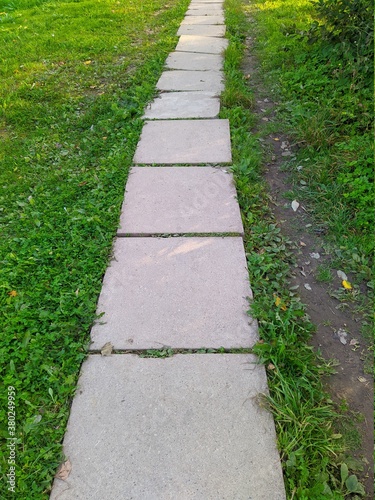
<point x="76" y="76"/>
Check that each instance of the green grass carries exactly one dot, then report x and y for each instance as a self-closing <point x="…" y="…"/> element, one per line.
<point x="76" y="76"/>
<point x="307" y="421"/>
<point x="326" y="102"/>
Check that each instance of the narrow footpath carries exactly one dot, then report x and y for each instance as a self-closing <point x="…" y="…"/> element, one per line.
<point x="189" y="426"/>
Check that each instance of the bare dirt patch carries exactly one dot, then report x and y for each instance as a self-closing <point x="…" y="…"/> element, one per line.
<point x="337" y="335"/>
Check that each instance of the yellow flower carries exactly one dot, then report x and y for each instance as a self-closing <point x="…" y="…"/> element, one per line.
<point x="13" y="293"/>
<point x="346" y="285"/>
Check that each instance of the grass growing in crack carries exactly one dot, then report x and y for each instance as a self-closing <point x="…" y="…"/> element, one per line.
<point x="76" y="77"/>
<point x="306" y="419"/>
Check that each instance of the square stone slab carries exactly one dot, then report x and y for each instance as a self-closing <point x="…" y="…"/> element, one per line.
<point x="203" y="5"/>
<point x="202" y="30"/>
<point x="205" y="10"/>
<point x="206" y="44"/>
<point x="216" y="19"/>
<point x="181" y="292"/>
<point x="188" y="427"/>
<point x="211" y="81"/>
<point x="183" y="105"/>
<point x="202" y="2"/>
<point x="169" y="200"/>
<point x="191" y="61"/>
<point x="184" y="141"/>
<point x="212" y="9"/>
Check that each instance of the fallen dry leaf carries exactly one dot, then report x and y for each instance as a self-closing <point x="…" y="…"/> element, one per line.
<point x="302" y="244"/>
<point x="362" y="379"/>
<point x="64" y="470"/>
<point x="107" y="349"/>
<point x="354" y="342"/>
<point x="295" y="205"/>
<point x="342" y="275"/>
<point x="315" y="255"/>
<point x="342" y="335"/>
<point x="271" y="366"/>
<point x="279" y="303"/>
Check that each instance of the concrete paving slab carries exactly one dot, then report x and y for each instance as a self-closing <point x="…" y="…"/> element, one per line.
<point x="205" y="44"/>
<point x="179" y="292"/>
<point x="171" y="105"/>
<point x="200" y="2"/>
<point x="212" y="81"/>
<point x="194" y="61"/>
<point x="188" y="427"/>
<point x="202" y="30"/>
<point x="216" y="19"/>
<point x="204" y="11"/>
<point x="214" y="5"/>
<point x="184" y="141"/>
<point x="170" y="200"/>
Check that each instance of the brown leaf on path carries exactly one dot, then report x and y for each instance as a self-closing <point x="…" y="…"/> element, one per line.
<point x="107" y="349"/>
<point x="64" y="470"/>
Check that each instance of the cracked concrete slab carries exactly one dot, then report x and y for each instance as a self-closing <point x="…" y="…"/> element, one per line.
<point x="170" y="200"/>
<point x="202" y="30"/>
<point x="194" y="61"/>
<point x="184" y="142"/>
<point x="171" y="105"/>
<point x="187" y="427"/>
<point x="212" y="81"/>
<point x="180" y="292"/>
<point x="205" y="44"/>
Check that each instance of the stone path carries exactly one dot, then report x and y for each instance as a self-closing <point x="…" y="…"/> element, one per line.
<point x="189" y="426"/>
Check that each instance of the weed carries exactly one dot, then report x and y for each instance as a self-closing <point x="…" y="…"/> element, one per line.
<point x="323" y="274"/>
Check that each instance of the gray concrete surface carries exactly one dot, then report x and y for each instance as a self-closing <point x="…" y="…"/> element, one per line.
<point x="169" y="200"/>
<point x="170" y="105"/>
<point x="216" y="19"/>
<point x="178" y="292"/>
<point x="204" y="11"/>
<point x="214" y="6"/>
<point x="188" y="427"/>
<point x="202" y="30"/>
<point x="184" y="141"/>
<point x="194" y="61"/>
<point x="209" y="81"/>
<point x="205" y="44"/>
